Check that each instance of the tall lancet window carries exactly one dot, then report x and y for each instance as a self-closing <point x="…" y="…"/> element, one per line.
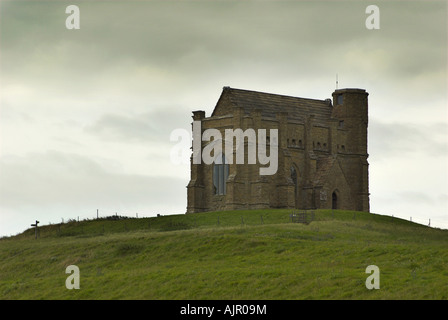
<point x="294" y="180"/>
<point x="220" y="174"/>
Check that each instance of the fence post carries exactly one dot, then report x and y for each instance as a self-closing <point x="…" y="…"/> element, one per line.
<point x="261" y="216"/>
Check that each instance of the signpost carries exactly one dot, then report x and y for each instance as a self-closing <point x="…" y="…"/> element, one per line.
<point x="35" y="230"/>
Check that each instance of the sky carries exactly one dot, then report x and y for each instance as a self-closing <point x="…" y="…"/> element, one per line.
<point x="86" y="114"/>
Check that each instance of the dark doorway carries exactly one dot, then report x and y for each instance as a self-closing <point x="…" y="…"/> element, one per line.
<point x="334" y="201"/>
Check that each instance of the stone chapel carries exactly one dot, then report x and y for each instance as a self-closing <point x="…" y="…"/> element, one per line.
<point x="322" y="153"/>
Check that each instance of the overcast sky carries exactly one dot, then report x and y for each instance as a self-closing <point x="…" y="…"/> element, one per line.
<point x="86" y="115"/>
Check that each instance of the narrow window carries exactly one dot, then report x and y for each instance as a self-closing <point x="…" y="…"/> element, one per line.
<point x="340" y="99"/>
<point x="294" y="180"/>
<point x="220" y="174"/>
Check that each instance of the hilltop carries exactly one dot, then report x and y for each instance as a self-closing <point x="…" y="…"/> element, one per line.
<point x="257" y="254"/>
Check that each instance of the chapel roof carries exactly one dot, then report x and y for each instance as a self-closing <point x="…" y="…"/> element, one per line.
<point x="269" y="103"/>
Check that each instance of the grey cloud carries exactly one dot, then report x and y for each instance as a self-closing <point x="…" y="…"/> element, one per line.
<point x="154" y="126"/>
<point x="115" y="127"/>
<point x="55" y="178"/>
<point x="391" y="139"/>
<point x="201" y="41"/>
<point x="415" y="198"/>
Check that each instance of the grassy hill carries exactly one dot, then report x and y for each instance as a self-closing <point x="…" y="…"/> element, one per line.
<point x="257" y="254"/>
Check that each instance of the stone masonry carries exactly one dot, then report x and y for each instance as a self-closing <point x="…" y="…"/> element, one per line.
<point x="322" y="153"/>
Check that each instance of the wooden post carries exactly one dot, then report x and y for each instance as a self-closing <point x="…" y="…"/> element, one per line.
<point x="261" y="219"/>
<point x="96" y="214"/>
<point x="35" y="229"/>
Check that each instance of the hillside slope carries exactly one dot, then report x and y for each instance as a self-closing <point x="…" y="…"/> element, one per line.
<point x="257" y="254"/>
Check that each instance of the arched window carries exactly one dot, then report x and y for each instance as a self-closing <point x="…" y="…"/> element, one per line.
<point x="220" y="174"/>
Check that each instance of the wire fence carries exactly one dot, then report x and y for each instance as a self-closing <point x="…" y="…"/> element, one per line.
<point x="103" y="224"/>
<point x="441" y="223"/>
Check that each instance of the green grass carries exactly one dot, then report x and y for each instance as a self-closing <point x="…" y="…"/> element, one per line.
<point x="194" y="257"/>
